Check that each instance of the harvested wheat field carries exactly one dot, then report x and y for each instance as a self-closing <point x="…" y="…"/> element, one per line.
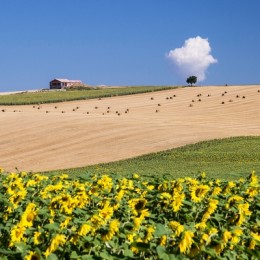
<point x="80" y="133"/>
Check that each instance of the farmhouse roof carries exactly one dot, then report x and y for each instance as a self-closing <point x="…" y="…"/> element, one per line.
<point x="68" y="80"/>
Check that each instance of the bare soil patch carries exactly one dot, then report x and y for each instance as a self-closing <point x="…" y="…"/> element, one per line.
<point x="80" y="133"/>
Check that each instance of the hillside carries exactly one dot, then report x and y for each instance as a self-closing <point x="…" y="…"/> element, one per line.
<point x="79" y="133"/>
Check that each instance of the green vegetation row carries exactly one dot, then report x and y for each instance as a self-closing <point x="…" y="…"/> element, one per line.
<point x="228" y="159"/>
<point x="27" y="98"/>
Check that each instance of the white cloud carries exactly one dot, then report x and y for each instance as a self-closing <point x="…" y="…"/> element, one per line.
<point x="193" y="58"/>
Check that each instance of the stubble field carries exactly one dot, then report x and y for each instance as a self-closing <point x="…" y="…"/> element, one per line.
<point x="79" y="133"/>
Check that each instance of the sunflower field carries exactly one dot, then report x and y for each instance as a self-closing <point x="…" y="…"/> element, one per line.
<point x="104" y="217"/>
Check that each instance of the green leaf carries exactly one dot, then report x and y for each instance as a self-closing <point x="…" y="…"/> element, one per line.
<point x="52" y="257"/>
<point x="128" y="253"/>
<point x="187" y="202"/>
<point x="160" y="250"/>
<point x="86" y="257"/>
<point x="254" y="253"/>
<point x="74" y="255"/>
<point x="209" y="251"/>
<point x="162" y="254"/>
<point x="231" y="255"/>
<point x="52" y="226"/>
<point x="21" y="247"/>
<point x="161" y="230"/>
<point x="173" y="257"/>
<point x="43" y="211"/>
<point x="106" y="256"/>
<point x="9" y="252"/>
<point x="122" y="235"/>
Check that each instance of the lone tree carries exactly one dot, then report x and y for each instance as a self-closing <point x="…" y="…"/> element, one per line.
<point x="191" y="80"/>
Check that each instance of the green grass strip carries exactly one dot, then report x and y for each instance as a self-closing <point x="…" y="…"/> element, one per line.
<point x="227" y="159"/>
<point x="41" y="97"/>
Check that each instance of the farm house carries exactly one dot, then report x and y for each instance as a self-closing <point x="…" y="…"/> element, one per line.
<point x="63" y="83"/>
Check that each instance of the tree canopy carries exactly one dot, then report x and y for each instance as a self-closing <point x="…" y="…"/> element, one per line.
<point x="191" y="80"/>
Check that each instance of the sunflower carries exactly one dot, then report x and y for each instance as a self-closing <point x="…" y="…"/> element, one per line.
<point x="135" y="176"/>
<point x="97" y="221"/>
<point x="210" y="210"/>
<point x="256" y="236"/>
<point x="137" y="222"/>
<point x="17" y="197"/>
<point x="176" y="227"/>
<point x="137" y="205"/>
<point x="166" y="198"/>
<point x="186" y="242"/>
<point x="226" y="236"/>
<point x="254" y="179"/>
<point x="131" y="237"/>
<point x="107" y="211"/>
<point x="113" y="229"/>
<point x="255" y="240"/>
<point x="205" y="239"/>
<point x="201" y="225"/>
<point x="31" y="183"/>
<point x="252" y="192"/>
<point x="29" y="215"/>
<point x="216" y="191"/>
<point x="17" y="234"/>
<point x="243" y="212"/>
<point x="65" y="223"/>
<point x="32" y="256"/>
<point x="84" y="230"/>
<point x="149" y="234"/>
<point x="120" y="195"/>
<point x="163" y="240"/>
<point x="57" y="241"/>
<point x="105" y="183"/>
<point x="177" y="201"/>
<point x="40" y="178"/>
<point x="37" y="238"/>
<point x="198" y="192"/>
<point x="233" y="201"/>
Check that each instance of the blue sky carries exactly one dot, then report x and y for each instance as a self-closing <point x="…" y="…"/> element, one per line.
<point x="124" y="42"/>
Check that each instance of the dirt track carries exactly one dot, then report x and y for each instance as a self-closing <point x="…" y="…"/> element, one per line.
<point x="33" y="139"/>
